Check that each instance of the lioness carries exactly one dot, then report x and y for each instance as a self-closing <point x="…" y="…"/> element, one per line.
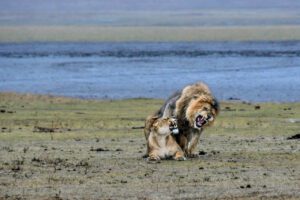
<point x="160" y="143"/>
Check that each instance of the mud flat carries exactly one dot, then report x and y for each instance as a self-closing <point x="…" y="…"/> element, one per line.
<point x="63" y="148"/>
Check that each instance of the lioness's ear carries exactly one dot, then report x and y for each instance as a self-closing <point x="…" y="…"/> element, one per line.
<point x="155" y="125"/>
<point x="150" y="120"/>
<point x="154" y="117"/>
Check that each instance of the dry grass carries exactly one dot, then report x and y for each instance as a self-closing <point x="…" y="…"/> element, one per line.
<point x="95" y="154"/>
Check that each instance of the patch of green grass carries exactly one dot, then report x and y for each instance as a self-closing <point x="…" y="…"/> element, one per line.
<point x="75" y="118"/>
<point x="91" y="118"/>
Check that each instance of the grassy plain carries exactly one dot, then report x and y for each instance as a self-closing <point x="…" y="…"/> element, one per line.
<point x="93" y="152"/>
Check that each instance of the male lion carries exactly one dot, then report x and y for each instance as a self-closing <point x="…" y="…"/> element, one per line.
<point x="195" y="108"/>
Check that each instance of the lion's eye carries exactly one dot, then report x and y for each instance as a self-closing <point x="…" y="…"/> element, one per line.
<point x="205" y="109"/>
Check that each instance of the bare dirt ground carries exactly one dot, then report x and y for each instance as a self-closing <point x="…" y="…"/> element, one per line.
<point x="88" y="150"/>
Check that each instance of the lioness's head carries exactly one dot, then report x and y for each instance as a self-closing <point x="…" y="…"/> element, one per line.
<point x="165" y="126"/>
<point x="202" y="111"/>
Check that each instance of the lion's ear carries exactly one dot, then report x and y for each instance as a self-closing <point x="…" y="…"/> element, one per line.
<point x="215" y="105"/>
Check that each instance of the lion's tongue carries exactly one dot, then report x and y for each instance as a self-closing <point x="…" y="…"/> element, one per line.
<point x="200" y="121"/>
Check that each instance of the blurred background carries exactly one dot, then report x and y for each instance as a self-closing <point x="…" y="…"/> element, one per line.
<point x="150" y="12"/>
<point x="117" y="49"/>
<point x="149" y="20"/>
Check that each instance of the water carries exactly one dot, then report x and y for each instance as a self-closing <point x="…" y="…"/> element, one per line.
<point x="251" y="71"/>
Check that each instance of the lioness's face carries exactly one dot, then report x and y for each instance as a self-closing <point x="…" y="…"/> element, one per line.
<point x="165" y="126"/>
<point x="201" y="115"/>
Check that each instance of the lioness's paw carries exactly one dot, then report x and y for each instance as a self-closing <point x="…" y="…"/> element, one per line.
<point x="153" y="158"/>
<point x="182" y="158"/>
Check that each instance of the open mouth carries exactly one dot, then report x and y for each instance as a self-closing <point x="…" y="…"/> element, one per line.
<point x="200" y="121"/>
<point x="173" y="128"/>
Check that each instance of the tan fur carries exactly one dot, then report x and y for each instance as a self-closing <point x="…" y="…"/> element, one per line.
<point x="148" y="124"/>
<point x="185" y="105"/>
<point x="195" y="99"/>
<point x="160" y="143"/>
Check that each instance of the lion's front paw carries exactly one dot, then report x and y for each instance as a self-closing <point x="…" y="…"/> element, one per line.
<point x="179" y="155"/>
<point x="153" y="158"/>
<point x="181" y="158"/>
